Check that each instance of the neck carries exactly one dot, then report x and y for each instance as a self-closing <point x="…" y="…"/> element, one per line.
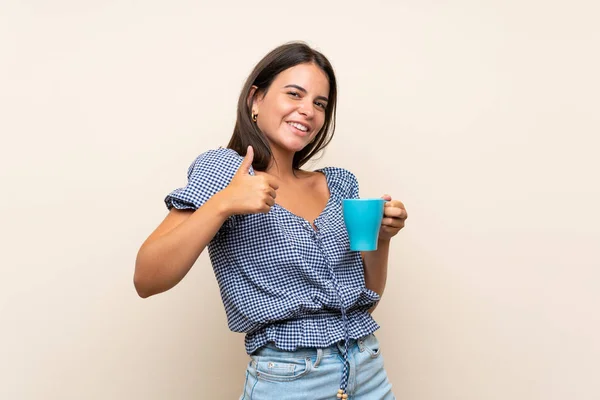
<point x="281" y="164"/>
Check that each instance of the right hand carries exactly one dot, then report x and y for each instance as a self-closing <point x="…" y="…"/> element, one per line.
<point x="247" y="194"/>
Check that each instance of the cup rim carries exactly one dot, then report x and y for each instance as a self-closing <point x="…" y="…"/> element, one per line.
<point x="366" y="199"/>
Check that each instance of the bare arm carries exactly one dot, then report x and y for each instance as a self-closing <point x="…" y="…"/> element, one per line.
<point x="375" y="267"/>
<point x="376" y="262"/>
<point x="171" y="250"/>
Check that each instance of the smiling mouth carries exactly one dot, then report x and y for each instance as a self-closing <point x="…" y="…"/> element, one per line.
<point x="299" y="126"/>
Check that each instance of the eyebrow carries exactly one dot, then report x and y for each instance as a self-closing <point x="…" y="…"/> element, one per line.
<point x="300" y="88"/>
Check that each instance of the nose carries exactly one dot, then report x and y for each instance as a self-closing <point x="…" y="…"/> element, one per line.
<point x="306" y="108"/>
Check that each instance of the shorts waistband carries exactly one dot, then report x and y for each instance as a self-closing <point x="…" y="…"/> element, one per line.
<point x="270" y="349"/>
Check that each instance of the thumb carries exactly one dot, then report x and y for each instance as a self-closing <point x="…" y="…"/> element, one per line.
<point x="247" y="162"/>
<point x="386" y="197"/>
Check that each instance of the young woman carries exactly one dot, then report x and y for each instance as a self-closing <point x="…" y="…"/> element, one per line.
<point x="277" y="241"/>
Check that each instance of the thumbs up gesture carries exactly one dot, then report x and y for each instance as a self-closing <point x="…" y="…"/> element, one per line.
<point x="248" y="194"/>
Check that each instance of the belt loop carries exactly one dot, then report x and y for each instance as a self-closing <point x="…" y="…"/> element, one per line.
<point x="361" y="344"/>
<point x="319" y="357"/>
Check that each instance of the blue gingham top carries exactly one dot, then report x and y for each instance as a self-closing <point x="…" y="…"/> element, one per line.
<point x="280" y="279"/>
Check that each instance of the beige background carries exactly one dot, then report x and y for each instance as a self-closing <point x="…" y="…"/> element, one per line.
<point x="481" y="116"/>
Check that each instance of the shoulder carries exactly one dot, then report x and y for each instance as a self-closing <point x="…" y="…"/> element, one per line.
<point x="341" y="180"/>
<point x="209" y="173"/>
<point x="220" y="157"/>
<point x="339" y="174"/>
<point x="215" y="161"/>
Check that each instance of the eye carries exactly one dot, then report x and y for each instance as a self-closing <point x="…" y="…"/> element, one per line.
<point x="322" y="105"/>
<point x="294" y="94"/>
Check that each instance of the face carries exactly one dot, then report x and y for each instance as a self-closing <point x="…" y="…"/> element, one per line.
<point x="292" y="112"/>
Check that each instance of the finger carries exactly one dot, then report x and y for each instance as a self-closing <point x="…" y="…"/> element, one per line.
<point x="386" y="197"/>
<point x="392" y="222"/>
<point x="394" y="203"/>
<point x="266" y="209"/>
<point x="395" y="212"/>
<point x="273" y="183"/>
<point x="247" y="162"/>
<point x="269" y="182"/>
<point x="273" y="193"/>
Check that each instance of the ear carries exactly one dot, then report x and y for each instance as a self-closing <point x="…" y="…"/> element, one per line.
<point x="254" y="99"/>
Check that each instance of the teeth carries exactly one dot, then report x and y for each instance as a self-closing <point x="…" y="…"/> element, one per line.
<point x="299" y="126"/>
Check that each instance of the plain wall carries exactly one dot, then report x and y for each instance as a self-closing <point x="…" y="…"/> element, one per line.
<point x="482" y="117"/>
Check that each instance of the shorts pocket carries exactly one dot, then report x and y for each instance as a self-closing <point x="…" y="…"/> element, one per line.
<point x="280" y="369"/>
<point x="371" y="345"/>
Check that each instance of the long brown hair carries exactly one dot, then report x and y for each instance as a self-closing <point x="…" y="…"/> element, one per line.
<point x="246" y="133"/>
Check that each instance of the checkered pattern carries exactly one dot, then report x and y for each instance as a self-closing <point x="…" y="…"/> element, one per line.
<point x="280" y="279"/>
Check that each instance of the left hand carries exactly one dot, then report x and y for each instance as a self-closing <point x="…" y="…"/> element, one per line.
<point x="394" y="215"/>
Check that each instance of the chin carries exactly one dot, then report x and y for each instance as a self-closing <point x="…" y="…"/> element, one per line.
<point x="300" y="147"/>
<point x="293" y="145"/>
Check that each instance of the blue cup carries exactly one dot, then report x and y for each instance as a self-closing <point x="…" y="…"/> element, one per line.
<point x="363" y="220"/>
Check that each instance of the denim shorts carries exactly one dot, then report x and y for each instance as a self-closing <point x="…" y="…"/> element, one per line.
<point x="314" y="374"/>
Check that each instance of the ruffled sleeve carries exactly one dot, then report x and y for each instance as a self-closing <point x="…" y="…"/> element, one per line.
<point x="210" y="173"/>
<point x="353" y="187"/>
<point x="343" y="182"/>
